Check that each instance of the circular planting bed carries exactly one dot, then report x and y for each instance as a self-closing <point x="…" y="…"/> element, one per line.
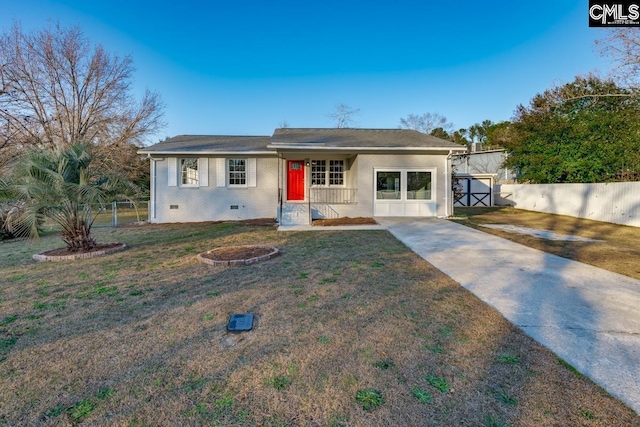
<point x="238" y="255"/>
<point x="65" y="255"/>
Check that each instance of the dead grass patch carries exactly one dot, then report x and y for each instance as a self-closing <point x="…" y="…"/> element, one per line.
<point x="619" y="250"/>
<point x="139" y="338"/>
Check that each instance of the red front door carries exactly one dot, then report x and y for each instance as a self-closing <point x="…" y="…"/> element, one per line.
<point x="295" y="180"/>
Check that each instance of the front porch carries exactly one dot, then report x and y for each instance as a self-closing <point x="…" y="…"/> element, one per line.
<point x="318" y="203"/>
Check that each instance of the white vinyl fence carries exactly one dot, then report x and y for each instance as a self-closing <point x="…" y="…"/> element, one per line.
<point x="616" y="202"/>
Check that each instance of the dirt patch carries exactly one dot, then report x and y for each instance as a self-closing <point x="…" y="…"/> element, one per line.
<point x="344" y="221"/>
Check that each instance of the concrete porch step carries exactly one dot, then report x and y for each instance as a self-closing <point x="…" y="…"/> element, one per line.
<point x="294" y="214"/>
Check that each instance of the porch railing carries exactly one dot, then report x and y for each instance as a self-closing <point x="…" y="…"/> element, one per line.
<point x="332" y="196"/>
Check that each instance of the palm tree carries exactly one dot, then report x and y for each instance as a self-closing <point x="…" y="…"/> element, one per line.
<point x="64" y="185"/>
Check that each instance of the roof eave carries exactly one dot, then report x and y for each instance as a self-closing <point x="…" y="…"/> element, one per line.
<point x="312" y="148"/>
<point x="203" y="153"/>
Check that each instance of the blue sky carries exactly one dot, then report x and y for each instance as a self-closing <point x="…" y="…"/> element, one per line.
<point x="244" y="67"/>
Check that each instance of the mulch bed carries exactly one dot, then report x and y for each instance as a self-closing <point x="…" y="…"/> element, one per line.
<point x="65" y="251"/>
<point x="344" y="221"/>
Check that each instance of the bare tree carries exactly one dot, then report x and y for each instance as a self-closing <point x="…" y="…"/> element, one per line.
<point x="344" y="116"/>
<point x="622" y="45"/>
<point x="426" y="123"/>
<point x="57" y="89"/>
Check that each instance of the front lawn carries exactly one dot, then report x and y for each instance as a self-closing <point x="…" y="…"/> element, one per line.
<point x="352" y="329"/>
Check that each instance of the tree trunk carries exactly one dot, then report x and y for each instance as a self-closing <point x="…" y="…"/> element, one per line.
<point x="78" y="238"/>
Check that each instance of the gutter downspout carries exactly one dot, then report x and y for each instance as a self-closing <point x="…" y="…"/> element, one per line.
<point x="447" y="186"/>
<point x="280" y="181"/>
<point x="154" y="175"/>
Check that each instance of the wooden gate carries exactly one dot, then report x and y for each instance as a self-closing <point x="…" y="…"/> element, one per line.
<point x="473" y="191"/>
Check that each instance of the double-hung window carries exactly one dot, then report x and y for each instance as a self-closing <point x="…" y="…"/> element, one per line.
<point x="189" y="172"/>
<point x="336" y="172"/>
<point x="319" y="173"/>
<point x="237" y="172"/>
<point x="327" y="173"/>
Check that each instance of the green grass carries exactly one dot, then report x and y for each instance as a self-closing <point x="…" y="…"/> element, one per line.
<point x="81" y="410"/>
<point x="422" y="395"/>
<point x="324" y="339"/>
<point x="369" y="399"/>
<point x="509" y="359"/>
<point x="8" y="320"/>
<point x="505" y="398"/>
<point x="438" y="382"/>
<point x="279" y="382"/>
<point x="489" y="421"/>
<point x="7" y="343"/>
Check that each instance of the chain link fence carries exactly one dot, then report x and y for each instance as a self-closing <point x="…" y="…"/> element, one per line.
<point x="122" y="213"/>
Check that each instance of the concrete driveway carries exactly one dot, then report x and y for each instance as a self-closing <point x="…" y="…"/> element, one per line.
<point x="588" y="316"/>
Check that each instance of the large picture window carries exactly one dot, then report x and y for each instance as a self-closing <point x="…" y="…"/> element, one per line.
<point x="238" y="172"/>
<point x="189" y="171"/>
<point x="418" y="185"/>
<point x="388" y="185"/>
<point x="403" y="185"/>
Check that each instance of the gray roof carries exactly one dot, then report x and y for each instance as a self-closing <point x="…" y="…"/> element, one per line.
<point x="360" y="138"/>
<point x="291" y="138"/>
<point x="203" y="144"/>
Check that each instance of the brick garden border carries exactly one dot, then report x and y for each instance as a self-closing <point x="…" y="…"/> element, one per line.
<point x="83" y="255"/>
<point x="247" y="261"/>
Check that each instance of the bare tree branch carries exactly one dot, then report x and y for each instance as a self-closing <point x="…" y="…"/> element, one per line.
<point x="344" y="116"/>
<point x="622" y="45"/>
<point x="57" y="89"/>
<point x="426" y="123"/>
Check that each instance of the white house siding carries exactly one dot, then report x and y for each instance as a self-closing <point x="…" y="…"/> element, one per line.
<point x="361" y="176"/>
<point x="369" y="162"/>
<point x="213" y="203"/>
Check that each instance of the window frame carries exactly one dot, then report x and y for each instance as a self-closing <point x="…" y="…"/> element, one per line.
<point x="183" y="172"/>
<point x="328" y="173"/>
<point x="318" y="174"/>
<point x="404" y="171"/>
<point x="244" y="173"/>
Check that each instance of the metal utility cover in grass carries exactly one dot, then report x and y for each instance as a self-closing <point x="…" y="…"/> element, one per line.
<point x="240" y="322"/>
